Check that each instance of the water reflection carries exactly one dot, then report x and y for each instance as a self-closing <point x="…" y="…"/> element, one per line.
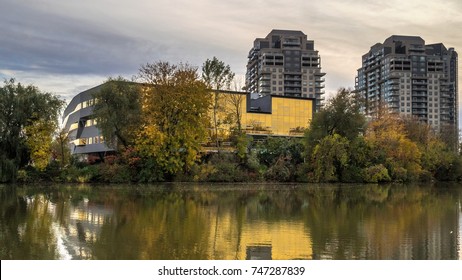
<point x="231" y="222"/>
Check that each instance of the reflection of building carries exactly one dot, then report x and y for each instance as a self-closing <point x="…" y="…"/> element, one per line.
<point x="257" y="239"/>
<point x="412" y="79"/>
<point x="82" y="230"/>
<point x="84" y="136"/>
<point x="285" y="63"/>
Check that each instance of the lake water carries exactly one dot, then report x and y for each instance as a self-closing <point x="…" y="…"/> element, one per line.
<point x="192" y="221"/>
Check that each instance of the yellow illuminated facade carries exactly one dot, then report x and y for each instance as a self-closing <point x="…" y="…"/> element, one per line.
<point x="275" y="116"/>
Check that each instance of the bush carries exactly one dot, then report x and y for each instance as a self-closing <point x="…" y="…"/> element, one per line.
<point x="376" y="173"/>
<point x="280" y="171"/>
<point x="114" y="173"/>
<point x="352" y="174"/>
<point x="149" y="171"/>
<point x="86" y="174"/>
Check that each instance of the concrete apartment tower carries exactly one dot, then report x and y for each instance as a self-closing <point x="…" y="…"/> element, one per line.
<point x="412" y="79"/>
<point x="285" y="63"/>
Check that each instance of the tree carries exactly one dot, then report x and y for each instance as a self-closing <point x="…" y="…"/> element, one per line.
<point x="330" y="157"/>
<point x="117" y="111"/>
<point x="60" y="148"/>
<point x="235" y="103"/>
<point x="175" y="115"/>
<point x="400" y="155"/>
<point x="28" y="119"/>
<point x="341" y="115"/>
<point x="217" y="76"/>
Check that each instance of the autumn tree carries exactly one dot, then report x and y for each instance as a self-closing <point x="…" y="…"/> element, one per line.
<point x="175" y="115"/>
<point x="391" y="145"/>
<point x="217" y="76"/>
<point x="117" y="111"/>
<point x="28" y="120"/>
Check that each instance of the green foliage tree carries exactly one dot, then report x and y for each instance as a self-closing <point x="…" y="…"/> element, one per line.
<point x="330" y="157"/>
<point x="117" y="111"/>
<point x="28" y="119"/>
<point x="341" y="115"/>
<point x="175" y="116"/>
<point x="217" y="76"/>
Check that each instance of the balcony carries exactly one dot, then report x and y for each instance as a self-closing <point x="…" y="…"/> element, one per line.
<point x="419" y="105"/>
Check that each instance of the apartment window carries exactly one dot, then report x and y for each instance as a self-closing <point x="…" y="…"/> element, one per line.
<point x="274" y="82"/>
<point x="274" y="88"/>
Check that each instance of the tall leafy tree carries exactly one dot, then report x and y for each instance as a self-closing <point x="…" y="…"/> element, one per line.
<point x="175" y="115"/>
<point x="118" y="111"/>
<point x="28" y="120"/>
<point x="217" y="76"/>
<point x="341" y="115"/>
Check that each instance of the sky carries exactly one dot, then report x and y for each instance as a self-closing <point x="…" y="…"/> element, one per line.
<point x="65" y="47"/>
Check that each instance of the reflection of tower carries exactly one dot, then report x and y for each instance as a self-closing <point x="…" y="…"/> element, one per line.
<point x="258" y="252"/>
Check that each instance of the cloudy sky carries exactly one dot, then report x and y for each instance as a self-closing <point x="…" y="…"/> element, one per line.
<point x="65" y="47"/>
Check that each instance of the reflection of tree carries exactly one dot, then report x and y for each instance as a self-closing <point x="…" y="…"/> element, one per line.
<point x="25" y="227"/>
<point x="170" y="226"/>
<point x="382" y="223"/>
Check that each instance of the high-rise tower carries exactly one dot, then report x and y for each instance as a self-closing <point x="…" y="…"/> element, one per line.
<point x="411" y="78"/>
<point x="285" y="63"/>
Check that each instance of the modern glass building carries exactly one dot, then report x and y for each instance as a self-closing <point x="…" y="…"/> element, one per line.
<point x="285" y="63"/>
<point x="85" y="137"/>
<point x="412" y="79"/>
<point x="260" y="116"/>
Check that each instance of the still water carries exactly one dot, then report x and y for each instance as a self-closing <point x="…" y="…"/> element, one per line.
<point x="188" y="222"/>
